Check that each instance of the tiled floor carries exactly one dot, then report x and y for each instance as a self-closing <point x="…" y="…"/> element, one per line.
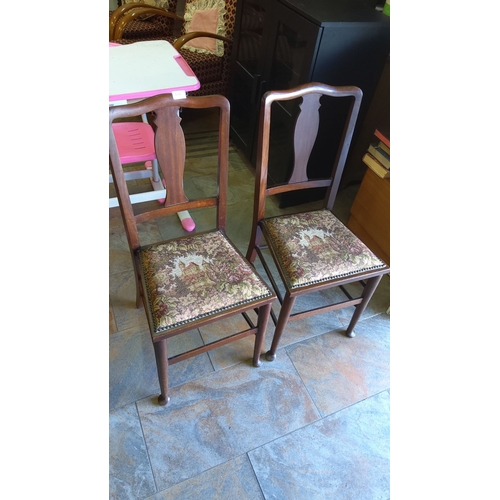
<point x="314" y="424"/>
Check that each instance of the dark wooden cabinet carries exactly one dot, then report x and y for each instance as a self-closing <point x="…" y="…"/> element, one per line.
<point x="279" y="44"/>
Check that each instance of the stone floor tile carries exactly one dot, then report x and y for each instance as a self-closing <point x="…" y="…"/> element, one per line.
<point x="119" y="253"/>
<point x="343" y="456"/>
<point x="130" y="475"/>
<point x="112" y="323"/>
<point x="122" y="298"/>
<point x="132" y="368"/>
<point x="214" y="419"/>
<point x="233" y="353"/>
<point x="232" y="480"/>
<point x="339" y="371"/>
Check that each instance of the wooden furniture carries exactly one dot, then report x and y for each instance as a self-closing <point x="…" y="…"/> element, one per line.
<point x="312" y="251"/>
<point x="280" y="44"/>
<point x="145" y="26"/>
<point x="377" y="116"/>
<point x="370" y="214"/>
<point x="188" y="282"/>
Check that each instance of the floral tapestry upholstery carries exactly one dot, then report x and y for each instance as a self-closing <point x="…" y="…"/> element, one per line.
<point x="313" y="247"/>
<point x="193" y="277"/>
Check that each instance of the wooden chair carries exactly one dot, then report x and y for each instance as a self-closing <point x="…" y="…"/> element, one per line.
<point x="187" y="282"/>
<point x="150" y="24"/>
<point x="312" y="251"/>
<point x="211" y="65"/>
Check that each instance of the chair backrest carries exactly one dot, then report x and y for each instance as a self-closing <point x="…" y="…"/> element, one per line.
<point x="226" y="11"/>
<point x="304" y="137"/>
<point x="131" y="15"/>
<point x="170" y="148"/>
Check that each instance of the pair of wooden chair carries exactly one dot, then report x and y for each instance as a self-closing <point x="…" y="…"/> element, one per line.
<point x="203" y="35"/>
<point x="188" y="282"/>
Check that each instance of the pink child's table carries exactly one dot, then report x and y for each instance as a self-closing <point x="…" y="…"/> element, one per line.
<point x="144" y="69"/>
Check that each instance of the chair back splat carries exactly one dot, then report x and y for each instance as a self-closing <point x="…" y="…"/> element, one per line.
<point x="187" y="282"/>
<point x="313" y="250"/>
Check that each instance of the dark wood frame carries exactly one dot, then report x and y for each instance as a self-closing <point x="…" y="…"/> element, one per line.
<point x="171" y="163"/>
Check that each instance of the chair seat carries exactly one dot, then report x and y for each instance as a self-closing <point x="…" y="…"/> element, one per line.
<point x="135" y="141"/>
<point x="181" y="278"/>
<point x="314" y="247"/>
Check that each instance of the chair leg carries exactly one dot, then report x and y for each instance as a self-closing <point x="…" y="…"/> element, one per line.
<point x="370" y="287"/>
<point x="138" y="297"/>
<point x="161" y="355"/>
<point x="286" y="309"/>
<point x="264" y="312"/>
<point x="255" y="240"/>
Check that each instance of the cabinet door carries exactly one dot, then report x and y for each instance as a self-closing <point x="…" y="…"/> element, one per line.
<point x="291" y="61"/>
<point x="295" y="42"/>
<point x="248" y="67"/>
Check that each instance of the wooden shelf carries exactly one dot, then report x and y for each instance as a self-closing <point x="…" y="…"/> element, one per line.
<point x="370" y="214"/>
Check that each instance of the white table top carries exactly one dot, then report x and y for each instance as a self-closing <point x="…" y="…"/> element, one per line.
<point x="144" y="69"/>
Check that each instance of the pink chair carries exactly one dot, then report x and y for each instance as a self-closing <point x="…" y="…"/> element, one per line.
<point x="135" y="141"/>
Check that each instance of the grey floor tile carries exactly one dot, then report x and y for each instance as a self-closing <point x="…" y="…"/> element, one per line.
<point x="122" y="299"/>
<point x="339" y="371"/>
<point x="232" y="480"/>
<point x="132" y="367"/>
<point x="378" y="304"/>
<point x="214" y="419"/>
<point x="344" y="201"/>
<point x="119" y="253"/>
<point x="344" y="456"/>
<point x="233" y="353"/>
<point x="130" y="475"/>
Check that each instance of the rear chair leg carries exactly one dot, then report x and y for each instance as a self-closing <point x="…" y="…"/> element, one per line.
<point x="370" y="287"/>
<point x="255" y="240"/>
<point x="262" y="321"/>
<point x="161" y="355"/>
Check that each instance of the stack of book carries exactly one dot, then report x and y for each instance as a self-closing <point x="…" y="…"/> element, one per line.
<point x="378" y="156"/>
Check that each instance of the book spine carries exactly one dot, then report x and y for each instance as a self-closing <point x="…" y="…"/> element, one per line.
<point x="380" y="155"/>
<point x="374" y="165"/>
<point x="379" y="135"/>
<point x="383" y="147"/>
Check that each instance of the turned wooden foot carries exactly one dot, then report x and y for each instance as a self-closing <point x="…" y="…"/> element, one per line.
<point x="270" y="356"/>
<point x="162" y="400"/>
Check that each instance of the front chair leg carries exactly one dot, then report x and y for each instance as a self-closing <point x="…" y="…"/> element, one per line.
<point x="369" y="290"/>
<point x="262" y="321"/>
<point x="161" y="355"/>
<point x="286" y="309"/>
